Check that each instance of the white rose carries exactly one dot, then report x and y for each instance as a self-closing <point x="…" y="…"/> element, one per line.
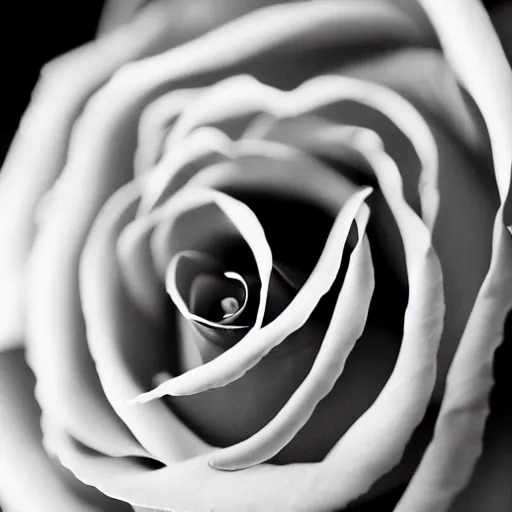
<point x="226" y="219"/>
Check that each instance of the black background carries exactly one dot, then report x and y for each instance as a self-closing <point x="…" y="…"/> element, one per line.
<point x="32" y="33"/>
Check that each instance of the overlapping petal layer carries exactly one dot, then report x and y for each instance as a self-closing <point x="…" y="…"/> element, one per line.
<point x="416" y="363"/>
<point x="328" y="142"/>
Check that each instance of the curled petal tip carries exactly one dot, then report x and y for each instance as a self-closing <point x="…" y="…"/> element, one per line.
<point x="139" y="399"/>
<point x="161" y="381"/>
<point x="144" y="398"/>
<point x="219" y="466"/>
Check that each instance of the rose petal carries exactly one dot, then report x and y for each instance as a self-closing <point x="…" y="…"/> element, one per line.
<point x="467" y="186"/>
<point x="68" y="82"/>
<point x="428" y="84"/>
<point x="275" y="168"/>
<point x="409" y="139"/>
<point x="194" y="485"/>
<point x="119" y="103"/>
<point x="155" y="122"/>
<point x="198" y="220"/>
<point x="204" y="147"/>
<point x="449" y="179"/>
<point x="322" y="93"/>
<point x="182" y="275"/>
<point x="40" y="147"/>
<point x="248" y="227"/>
<point x="346" y="326"/>
<point x="133" y="247"/>
<point x="465" y="405"/>
<point x="118" y="337"/>
<point x="493" y="73"/>
<point x="91" y="146"/>
<point x="29" y="480"/>
<point x="489" y="487"/>
<point x="233" y="97"/>
<point x="116" y="13"/>
<point x="325" y="91"/>
<point x="447" y="464"/>
<point x="250" y="350"/>
<point x="466" y="213"/>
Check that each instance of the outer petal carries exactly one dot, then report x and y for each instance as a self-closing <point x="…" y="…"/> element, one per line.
<point x="317" y="481"/>
<point x="346" y="326"/>
<point x="449" y="460"/>
<point x="29" y="480"/>
<point x="468" y="37"/>
<point x="101" y="157"/>
<point x="457" y="443"/>
<point x="431" y="85"/>
<point x="39" y="150"/>
<point x="57" y="349"/>
<point x="489" y="487"/>
<point x="116" y="13"/>
<point x="118" y="336"/>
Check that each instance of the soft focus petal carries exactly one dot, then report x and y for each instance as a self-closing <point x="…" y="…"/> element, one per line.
<point x="104" y="146"/>
<point x="155" y="121"/>
<point x="489" y="486"/>
<point x="431" y="86"/>
<point x="29" y="480"/>
<point x="57" y="348"/>
<point x="346" y="326"/>
<point x="116" y="13"/>
<point x="467" y="186"/>
<point x="101" y="155"/>
<point x="474" y="51"/>
<point x="128" y="348"/>
<point x="39" y="150"/>
<point x="447" y="464"/>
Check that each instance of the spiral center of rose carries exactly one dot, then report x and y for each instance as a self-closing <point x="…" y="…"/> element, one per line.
<point x="218" y="297"/>
<point x="230" y="306"/>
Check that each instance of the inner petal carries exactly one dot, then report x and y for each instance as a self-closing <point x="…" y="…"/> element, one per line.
<point x="213" y="302"/>
<point x="205" y="292"/>
<point x="219" y="298"/>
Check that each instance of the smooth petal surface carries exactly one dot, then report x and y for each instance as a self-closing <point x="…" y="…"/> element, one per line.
<point x="115" y="121"/>
<point x="155" y="122"/>
<point x="116" y="13"/>
<point x="122" y="317"/>
<point x="460" y="186"/>
<point x="205" y="146"/>
<point x="467" y="38"/>
<point x="56" y="331"/>
<point x="346" y="326"/>
<point x="118" y="337"/>
<point x="29" y="479"/>
<point x="449" y="460"/>
<point x="252" y="348"/>
<point x="421" y="85"/>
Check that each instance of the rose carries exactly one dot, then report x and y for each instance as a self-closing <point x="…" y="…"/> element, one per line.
<point x="285" y="131"/>
<point x="56" y="442"/>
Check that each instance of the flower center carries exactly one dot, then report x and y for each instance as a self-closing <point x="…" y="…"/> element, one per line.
<point x="230" y="306"/>
<point x="218" y="297"/>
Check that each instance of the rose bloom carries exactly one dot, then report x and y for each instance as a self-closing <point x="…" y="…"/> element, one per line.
<point x="258" y="259"/>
